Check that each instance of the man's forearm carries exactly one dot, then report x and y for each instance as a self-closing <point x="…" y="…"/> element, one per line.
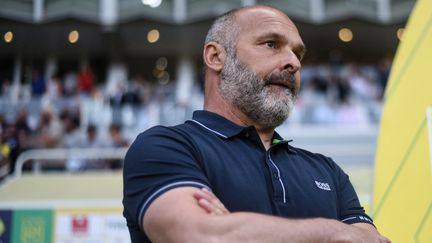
<point x="176" y="217"/>
<point x="252" y="227"/>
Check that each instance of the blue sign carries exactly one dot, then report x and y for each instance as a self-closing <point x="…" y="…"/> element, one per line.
<point x="5" y="226"/>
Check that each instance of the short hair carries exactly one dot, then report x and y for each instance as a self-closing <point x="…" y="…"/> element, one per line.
<point x="224" y="31"/>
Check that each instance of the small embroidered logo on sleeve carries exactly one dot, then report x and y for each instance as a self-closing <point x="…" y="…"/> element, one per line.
<point x="323" y="185"/>
<point x="365" y="219"/>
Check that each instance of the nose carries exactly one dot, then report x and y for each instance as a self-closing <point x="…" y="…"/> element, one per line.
<point x="290" y="62"/>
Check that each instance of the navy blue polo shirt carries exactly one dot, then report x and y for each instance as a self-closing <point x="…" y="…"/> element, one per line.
<point x="211" y="151"/>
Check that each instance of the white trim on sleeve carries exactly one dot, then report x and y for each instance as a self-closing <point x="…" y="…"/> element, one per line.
<point x="162" y="189"/>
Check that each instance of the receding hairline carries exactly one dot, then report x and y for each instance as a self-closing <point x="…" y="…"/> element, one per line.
<point x="246" y="8"/>
<point x="234" y="14"/>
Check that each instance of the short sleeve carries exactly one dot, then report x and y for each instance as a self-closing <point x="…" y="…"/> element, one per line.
<point x="158" y="160"/>
<point x="350" y="209"/>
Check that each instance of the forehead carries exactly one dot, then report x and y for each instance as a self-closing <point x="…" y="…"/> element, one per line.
<point x="256" y="21"/>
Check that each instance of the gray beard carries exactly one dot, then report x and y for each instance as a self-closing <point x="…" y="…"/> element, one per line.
<point x="250" y="94"/>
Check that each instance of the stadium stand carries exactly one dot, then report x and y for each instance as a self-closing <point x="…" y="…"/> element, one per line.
<point x="84" y="77"/>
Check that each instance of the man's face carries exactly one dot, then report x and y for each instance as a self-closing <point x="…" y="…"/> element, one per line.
<point x="262" y="79"/>
<point x="256" y="97"/>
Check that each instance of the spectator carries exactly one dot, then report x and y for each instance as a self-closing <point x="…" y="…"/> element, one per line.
<point x="70" y="83"/>
<point x="55" y="88"/>
<point x="116" y="138"/>
<point x="116" y="141"/>
<point x="91" y="140"/>
<point x="86" y="80"/>
<point x="4" y="157"/>
<point x="49" y="131"/>
<point x="38" y="84"/>
<point x="72" y="135"/>
<point x="72" y="139"/>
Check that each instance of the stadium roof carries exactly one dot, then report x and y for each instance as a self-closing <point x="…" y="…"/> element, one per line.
<point x="120" y="27"/>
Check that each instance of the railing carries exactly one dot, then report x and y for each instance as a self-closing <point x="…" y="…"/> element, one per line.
<point x="60" y="156"/>
<point x="353" y="148"/>
<point x="345" y="145"/>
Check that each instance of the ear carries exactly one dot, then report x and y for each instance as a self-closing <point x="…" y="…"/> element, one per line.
<point x="214" y="56"/>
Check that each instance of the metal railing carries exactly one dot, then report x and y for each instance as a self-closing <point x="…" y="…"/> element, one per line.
<point x="61" y="155"/>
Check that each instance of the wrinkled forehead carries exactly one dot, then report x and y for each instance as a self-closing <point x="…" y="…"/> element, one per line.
<point x="262" y="18"/>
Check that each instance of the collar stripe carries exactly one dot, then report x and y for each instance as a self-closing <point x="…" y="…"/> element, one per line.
<point x="211" y="130"/>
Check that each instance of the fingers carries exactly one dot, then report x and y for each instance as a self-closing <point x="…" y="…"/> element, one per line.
<point x="209" y="202"/>
<point x="210" y="208"/>
<point x="214" y="200"/>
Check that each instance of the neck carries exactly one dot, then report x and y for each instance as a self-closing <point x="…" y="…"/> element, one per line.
<point x="266" y="136"/>
<point x="224" y="108"/>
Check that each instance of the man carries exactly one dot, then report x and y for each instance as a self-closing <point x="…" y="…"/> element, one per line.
<point x="273" y="191"/>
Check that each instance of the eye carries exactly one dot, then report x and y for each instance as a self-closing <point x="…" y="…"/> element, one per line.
<point x="270" y="44"/>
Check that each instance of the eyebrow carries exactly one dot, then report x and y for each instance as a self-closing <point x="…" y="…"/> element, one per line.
<point x="301" y="48"/>
<point x="270" y="35"/>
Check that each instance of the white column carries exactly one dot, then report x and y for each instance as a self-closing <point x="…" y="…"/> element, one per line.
<point x="108" y="12"/>
<point x="38" y="10"/>
<point x="248" y="2"/>
<point x="116" y="84"/>
<point x="184" y="88"/>
<point x="316" y="8"/>
<point x="50" y="67"/>
<point x="179" y="10"/>
<point x="117" y="77"/>
<point x="16" y="84"/>
<point x="384" y="10"/>
<point x="185" y="79"/>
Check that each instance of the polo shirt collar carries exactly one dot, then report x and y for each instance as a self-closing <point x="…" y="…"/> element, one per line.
<point x="226" y="128"/>
<point x="278" y="141"/>
<point x="216" y="123"/>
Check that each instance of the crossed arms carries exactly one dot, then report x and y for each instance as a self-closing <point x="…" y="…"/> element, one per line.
<point x="187" y="214"/>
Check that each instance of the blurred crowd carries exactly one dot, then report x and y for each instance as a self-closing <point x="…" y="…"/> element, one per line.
<point x="343" y="93"/>
<point x="55" y="130"/>
<point x="74" y="111"/>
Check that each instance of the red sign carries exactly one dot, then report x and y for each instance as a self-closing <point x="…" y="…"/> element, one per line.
<point x="79" y="224"/>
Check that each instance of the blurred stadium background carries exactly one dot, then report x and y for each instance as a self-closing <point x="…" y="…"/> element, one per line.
<point x="80" y="79"/>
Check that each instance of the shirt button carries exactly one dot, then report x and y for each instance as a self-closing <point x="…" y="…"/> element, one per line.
<point x="275" y="175"/>
<point x="247" y="135"/>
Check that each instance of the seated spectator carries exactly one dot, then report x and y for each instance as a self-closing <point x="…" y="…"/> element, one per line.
<point x="116" y="137"/>
<point x="49" y="131"/>
<point x="5" y="151"/>
<point x="70" y="83"/>
<point x="86" y="80"/>
<point x="38" y="84"/>
<point x="91" y="140"/>
<point x="72" y="136"/>
<point x="116" y="141"/>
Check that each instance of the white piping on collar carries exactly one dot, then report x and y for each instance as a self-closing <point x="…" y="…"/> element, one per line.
<point x="211" y="130"/>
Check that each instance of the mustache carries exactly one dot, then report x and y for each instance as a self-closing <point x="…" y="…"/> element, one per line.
<point x="285" y="79"/>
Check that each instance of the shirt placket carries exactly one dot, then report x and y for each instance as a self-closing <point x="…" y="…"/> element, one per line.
<point x="279" y="188"/>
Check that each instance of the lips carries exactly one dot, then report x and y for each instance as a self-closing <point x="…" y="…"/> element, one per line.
<point x="280" y="83"/>
<point x="284" y="80"/>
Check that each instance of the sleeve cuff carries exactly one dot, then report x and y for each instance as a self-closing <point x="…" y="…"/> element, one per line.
<point x="357" y="219"/>
<point x="162" y="190"/>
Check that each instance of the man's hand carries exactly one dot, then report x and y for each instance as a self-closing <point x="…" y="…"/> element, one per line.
<point x="187" y="214"/>
<point x="209" y="202"/>
<point x="358" y="233"/>
<point x="362" y="232"/>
